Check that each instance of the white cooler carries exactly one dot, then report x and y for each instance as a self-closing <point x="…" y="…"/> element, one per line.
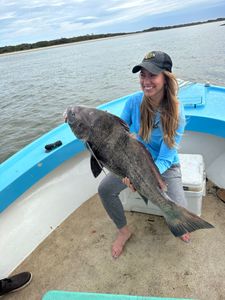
<point x="194" y="182"/>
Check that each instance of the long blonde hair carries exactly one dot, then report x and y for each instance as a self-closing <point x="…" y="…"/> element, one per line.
<point x="169" y="109"/>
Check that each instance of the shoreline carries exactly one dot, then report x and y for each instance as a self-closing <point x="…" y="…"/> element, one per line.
<point x="153" y="29"/>
<point x="68" y="44"/>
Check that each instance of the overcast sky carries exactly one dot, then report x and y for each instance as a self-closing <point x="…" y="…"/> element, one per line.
<point x="28" y="21"/>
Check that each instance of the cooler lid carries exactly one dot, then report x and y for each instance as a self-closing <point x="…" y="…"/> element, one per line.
<point x="193" y="171"/>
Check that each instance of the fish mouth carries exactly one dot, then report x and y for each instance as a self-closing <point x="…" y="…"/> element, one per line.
<point x="69" y="115"/>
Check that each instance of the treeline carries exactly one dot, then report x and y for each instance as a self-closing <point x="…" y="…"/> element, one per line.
<point x="61" y="41"/>
<point x="41" y="44"/>
<point x="182" y="25"/>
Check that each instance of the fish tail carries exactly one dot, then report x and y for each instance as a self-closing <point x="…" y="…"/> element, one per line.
<point x="181" y="221"/>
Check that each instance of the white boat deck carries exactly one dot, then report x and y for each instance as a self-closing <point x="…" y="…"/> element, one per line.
<point x="76" y="257"/>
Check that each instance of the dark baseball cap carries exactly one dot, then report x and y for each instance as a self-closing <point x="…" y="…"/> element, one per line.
<point x="155" y="62"/>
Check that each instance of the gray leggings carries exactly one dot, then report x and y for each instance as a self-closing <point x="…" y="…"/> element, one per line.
<point x="111" y="186"/>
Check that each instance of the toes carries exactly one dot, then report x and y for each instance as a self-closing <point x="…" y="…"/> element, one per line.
<point x="119" y="243"/>
<point x="186" y="237"/>
<point x="116" y="252"/>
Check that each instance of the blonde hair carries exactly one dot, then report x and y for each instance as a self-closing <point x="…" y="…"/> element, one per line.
<point x="169" y="109"/>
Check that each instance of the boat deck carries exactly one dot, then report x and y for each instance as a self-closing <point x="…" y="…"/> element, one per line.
<point x="76" y="257"/>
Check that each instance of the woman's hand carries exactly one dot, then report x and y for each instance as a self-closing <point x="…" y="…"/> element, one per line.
<point x="126" y="181"/>
<point x="133" y="135"/>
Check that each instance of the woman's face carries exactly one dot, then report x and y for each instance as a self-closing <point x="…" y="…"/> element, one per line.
<point x="152" y="85"/>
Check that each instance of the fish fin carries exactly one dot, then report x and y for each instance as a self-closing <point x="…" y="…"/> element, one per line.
<point x="181" y="221"/>
<point x="122" y="122"/>
<point x="96" y="166"/>
<point x="145" y="199"/>
<point x="161" y="183"/>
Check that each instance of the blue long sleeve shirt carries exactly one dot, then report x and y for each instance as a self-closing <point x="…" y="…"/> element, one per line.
<point x="163" y="156"/>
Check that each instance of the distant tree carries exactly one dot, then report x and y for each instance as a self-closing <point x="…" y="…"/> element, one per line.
<point x="61" y="41"/>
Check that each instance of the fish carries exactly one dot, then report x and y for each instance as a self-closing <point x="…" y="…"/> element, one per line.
<point x="112" y="147"/>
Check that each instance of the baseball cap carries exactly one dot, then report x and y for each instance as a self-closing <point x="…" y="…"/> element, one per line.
<point x="155" y="62"/>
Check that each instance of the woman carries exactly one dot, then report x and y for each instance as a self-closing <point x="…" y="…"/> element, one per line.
<point x="157" y="118"/>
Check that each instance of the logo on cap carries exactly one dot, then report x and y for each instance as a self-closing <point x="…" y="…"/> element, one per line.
<point x="149" y="55"/>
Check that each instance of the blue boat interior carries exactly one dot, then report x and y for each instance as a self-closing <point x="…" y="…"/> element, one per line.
<point x="205" y="112"/>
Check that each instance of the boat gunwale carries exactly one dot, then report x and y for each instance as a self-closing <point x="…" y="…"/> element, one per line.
<point x="32" y="163"/>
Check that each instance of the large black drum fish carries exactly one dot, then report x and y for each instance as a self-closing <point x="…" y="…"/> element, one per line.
<point x="112" y="147"/>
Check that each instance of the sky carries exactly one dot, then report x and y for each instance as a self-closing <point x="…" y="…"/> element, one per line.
<point x="29" y="21"/>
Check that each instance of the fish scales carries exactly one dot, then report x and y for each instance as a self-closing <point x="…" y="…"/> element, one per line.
<point x="115" y="149"/>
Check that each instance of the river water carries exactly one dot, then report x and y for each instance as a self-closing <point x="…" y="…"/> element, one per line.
<point x="37" y="86"/>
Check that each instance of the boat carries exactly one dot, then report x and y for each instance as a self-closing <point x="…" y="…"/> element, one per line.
<point x="49" y="180"/>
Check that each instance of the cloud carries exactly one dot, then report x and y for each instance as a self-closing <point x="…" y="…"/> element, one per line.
<point x="135" y="9"/>
<point x="87" y="18"/>
<point x="34" y="20"/>
<point x="7" y="16"/>
<point x="127" y="5"/>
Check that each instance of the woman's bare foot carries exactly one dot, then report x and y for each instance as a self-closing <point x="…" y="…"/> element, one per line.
<point x="186" y="237"/>
<point x="123" y="236"/>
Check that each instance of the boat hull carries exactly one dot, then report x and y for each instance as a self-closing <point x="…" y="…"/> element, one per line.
<point x="40" y="190"/>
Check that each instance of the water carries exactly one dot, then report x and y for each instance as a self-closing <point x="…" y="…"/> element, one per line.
<point x="36" y="87"/>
